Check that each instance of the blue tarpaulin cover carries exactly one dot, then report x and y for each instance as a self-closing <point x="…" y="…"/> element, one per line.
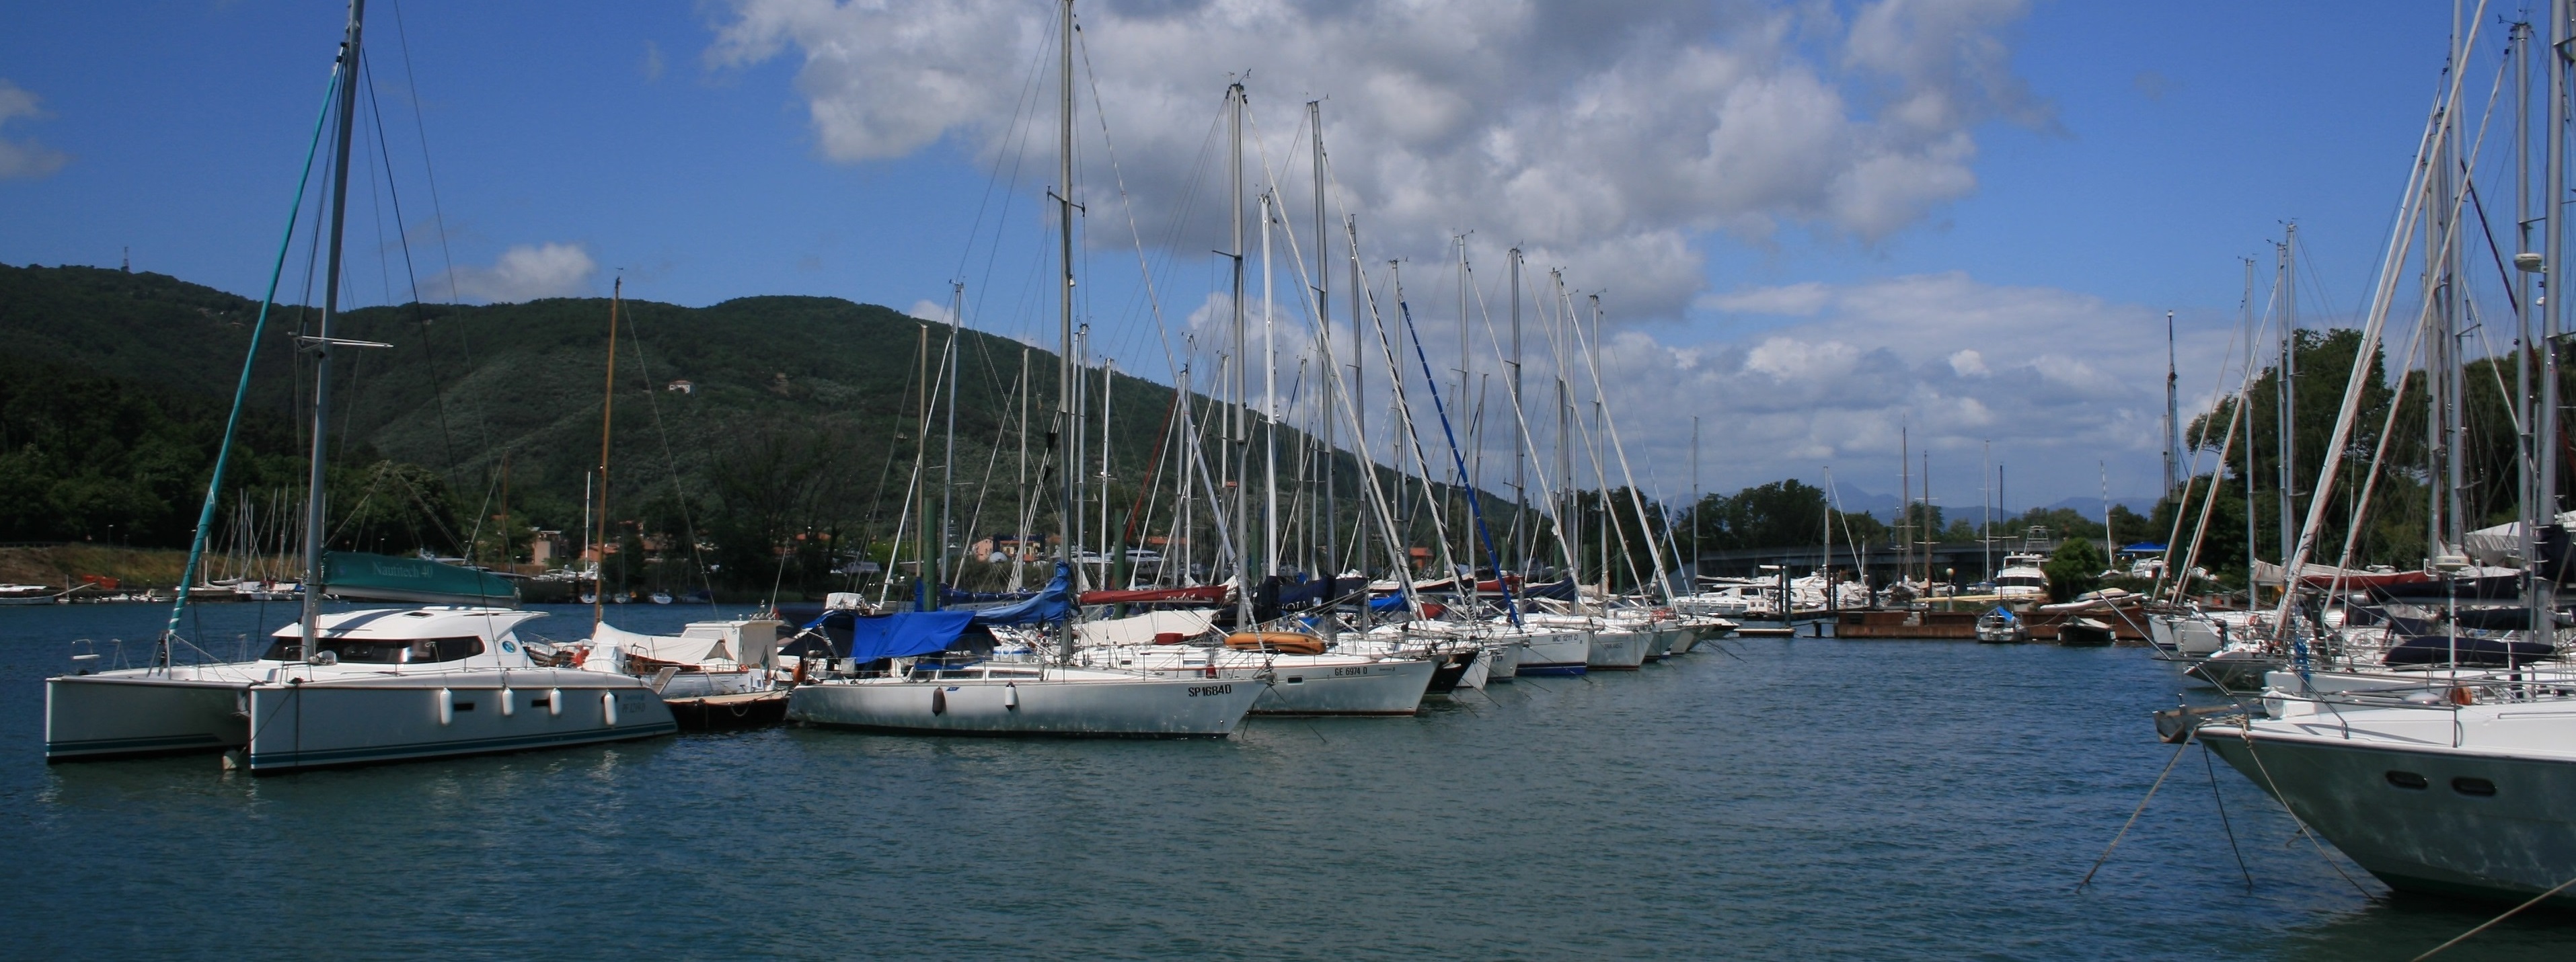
<point x="1051" y="604"/>
<point x="903" y="634"/>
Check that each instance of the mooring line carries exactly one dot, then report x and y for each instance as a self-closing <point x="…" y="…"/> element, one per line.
<point x="2222" y="818"/>
<point x="2133" y="817"/>
<point x="2490" y="923"/>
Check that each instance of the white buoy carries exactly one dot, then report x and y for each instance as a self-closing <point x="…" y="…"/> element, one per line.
<point x="608" y="708"/>
<point x="554" y="702"/>
<point x="446" y="707"/>
<point x="509" y="703"/>
<point x="1011" y="696"/>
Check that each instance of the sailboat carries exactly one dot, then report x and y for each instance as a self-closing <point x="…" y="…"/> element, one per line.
<point x="2449" y="779"/>
<point x="350" y="687"/>
<point x="918" y="693"/>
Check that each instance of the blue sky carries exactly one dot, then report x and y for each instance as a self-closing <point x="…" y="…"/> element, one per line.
<point x="2135" y="152"/>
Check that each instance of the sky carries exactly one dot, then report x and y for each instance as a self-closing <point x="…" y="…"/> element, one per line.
<point x="1812" y="225"/>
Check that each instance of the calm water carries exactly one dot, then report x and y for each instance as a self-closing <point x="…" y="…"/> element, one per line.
<point x="1809" y="797"/>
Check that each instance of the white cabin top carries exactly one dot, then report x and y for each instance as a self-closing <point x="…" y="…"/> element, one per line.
<point x="452" y="637"/>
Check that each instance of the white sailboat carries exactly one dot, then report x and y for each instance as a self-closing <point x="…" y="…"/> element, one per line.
<point x="1030" y="698"/>
<point x="348" y="687"/>
<point x="2457" y="781"/>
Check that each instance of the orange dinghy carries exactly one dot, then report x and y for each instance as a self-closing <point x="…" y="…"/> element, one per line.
<point x="1280" y="642"/>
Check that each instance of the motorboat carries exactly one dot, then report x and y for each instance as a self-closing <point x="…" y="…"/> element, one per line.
<point x="713" y="674"/>
<point x="2082" y="632"/>
<point x="383" y="684"/>
<point x="2001" y="627"/>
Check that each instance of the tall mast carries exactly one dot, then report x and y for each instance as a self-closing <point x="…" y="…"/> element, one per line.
<point x="1466" y="486"/>
<point x="1360" y="458"/>
<point x="948" y="473"/>
<point x="1111" y="552"/>
<point x="607" y="402"/>
<point x="2245" y="411"/>
<point x="2286" y="392"/>
<point x="316" y="491"/>
<point x="1332" y="566"/>
<point x="1269" y="406"/>
<point x="2173" y="412"/>
<point x="1905" y="502"/>
<point x="925" y="597"/>
<point x="2553" y="259"/>
<point x="1520" y="432"/>
<point x="1239" y="438"/>
<point x="1066" y="466"/>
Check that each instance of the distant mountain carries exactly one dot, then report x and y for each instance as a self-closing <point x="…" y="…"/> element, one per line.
<point x="2091" y="507"/>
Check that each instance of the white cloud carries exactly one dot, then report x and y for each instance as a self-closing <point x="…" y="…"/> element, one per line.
<point x="928" y="310"/>
<point x="24" y="158"/>
<point x="1795" y="300"/>
<point x="1604" y="138"/>
<point x="1969" y="363"/>
<point x="529" y="272"/>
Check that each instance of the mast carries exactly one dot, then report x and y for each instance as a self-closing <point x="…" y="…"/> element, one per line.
<point x="1332" y="566"/>
<point x="2286" y="392"/>
<point x="1466" y="487"/>
<point x="1269" y="407"/>
<point x="1520" y="432"/>
<point x="1905" y="502"/>
<point x="1360" y="458"/>
<point x="1111" y="552"/>
<point x="1064" y="315"/>
<point x="607" y="404"/>
<point x="2245" y="410"/>
<point x="948" y="473"/>
<point x="316" y="490"/>
<point x="925" y="598"/>
<point x="2554" y="259"/>
<point x="2173" y="413"/>
<point x="1238" y="439"/>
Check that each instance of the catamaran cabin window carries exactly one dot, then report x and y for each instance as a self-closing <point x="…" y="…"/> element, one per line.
<point x="375" y="651"/>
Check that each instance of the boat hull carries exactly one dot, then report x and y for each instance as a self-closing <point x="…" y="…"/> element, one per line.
<point x="1141" y="707"/>
<point x="343" y="721"/>
<point x="90" y="716"/>
<point x="1617" y="650"/>
<point x="2511" y="844"/>
<point x="1564" y="653"/>
<point x="1393" y="687"/>
<point x="1503" y="660"/>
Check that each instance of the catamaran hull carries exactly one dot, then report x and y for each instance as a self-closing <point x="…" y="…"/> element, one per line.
<point x="1558" y="654"/>
<point x="1133" y="708"/>
<point x="288" y="726"/>
<point x="108" y="717"/>
<point x="2514" y="841"/>
<point x="1617" y="650"/>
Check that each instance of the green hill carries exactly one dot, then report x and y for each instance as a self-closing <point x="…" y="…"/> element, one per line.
<point x="797" y="429"/>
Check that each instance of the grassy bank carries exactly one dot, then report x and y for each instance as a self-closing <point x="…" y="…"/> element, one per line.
<point x="61" y="566"/>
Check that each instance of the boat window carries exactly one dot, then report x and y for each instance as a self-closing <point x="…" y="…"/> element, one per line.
<point x="379" y="651"/>
<point x="2467" y="785"/>
<point x="2407" y="780"/>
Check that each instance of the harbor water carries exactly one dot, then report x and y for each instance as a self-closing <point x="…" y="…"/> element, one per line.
<point x="1760" y="798"/>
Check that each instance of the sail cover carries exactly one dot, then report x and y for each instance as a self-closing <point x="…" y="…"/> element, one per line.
<point x="1050" y="604"/>
<point x="376" y="577"/>
<point x="903" y="634"/>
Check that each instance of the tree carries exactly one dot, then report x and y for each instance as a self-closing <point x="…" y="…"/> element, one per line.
<point x="2075" y="569"/>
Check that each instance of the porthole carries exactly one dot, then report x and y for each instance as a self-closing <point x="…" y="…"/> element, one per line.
<point x="2468" y="785"/>
<point x="2407" y="780"/>
<point x="1296" y="679"/>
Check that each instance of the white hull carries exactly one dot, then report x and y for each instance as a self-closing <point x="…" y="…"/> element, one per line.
<point x="1299" y="684"/>
<point x="1503" y="660"/>
<point x="2515" y="841"/>
<point x="1557" y="653"/>
<point x="344" y="720"/>
<point x="1094" y="704"/>
<point x="1617" y="650"/>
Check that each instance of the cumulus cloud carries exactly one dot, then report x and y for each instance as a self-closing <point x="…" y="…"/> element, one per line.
<point x="1605" y="138"/>
<point x="528" y="272"/>
<point x="24" y="158"/>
